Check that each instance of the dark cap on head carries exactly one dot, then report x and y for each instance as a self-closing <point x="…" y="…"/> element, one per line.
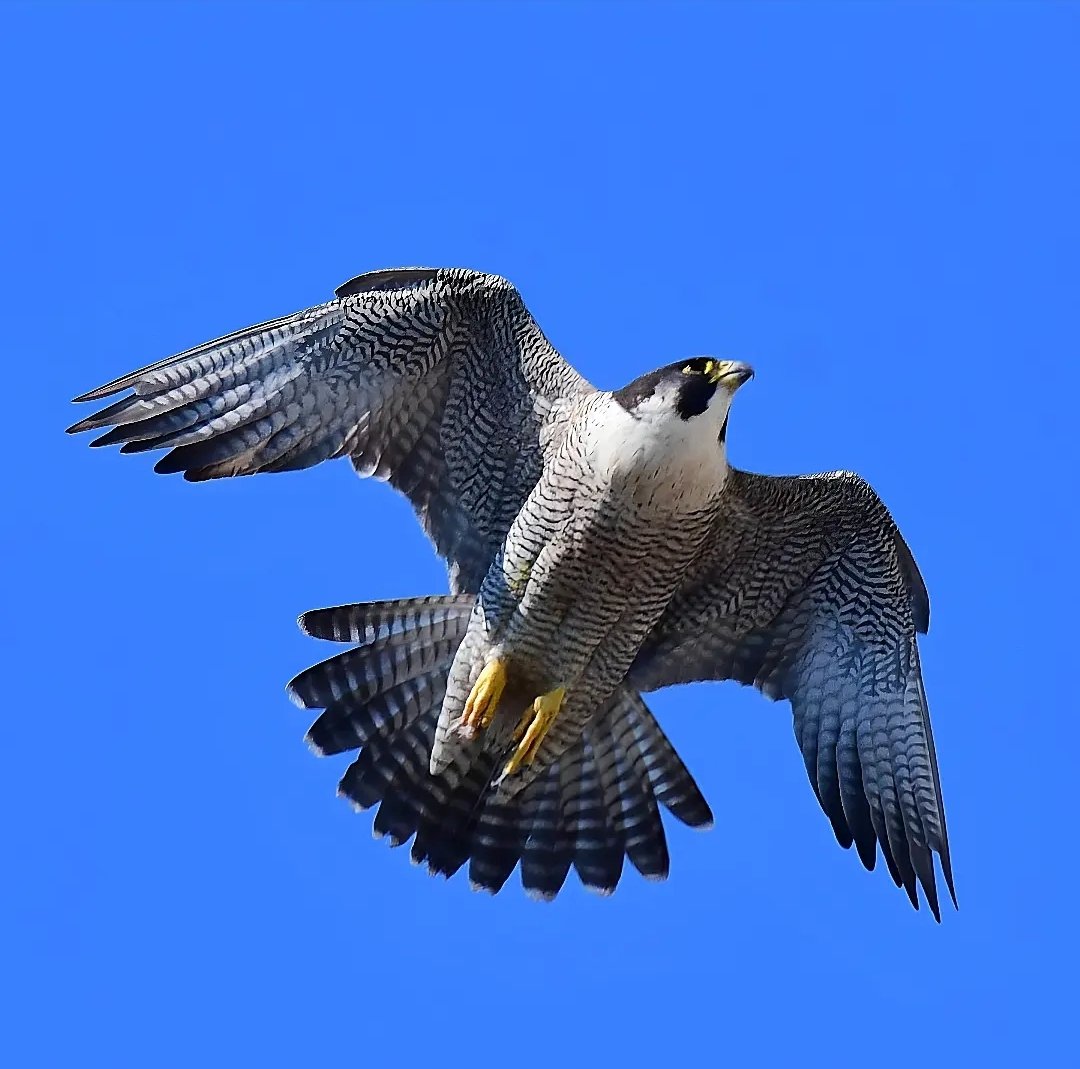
<point x="696" y="379"/>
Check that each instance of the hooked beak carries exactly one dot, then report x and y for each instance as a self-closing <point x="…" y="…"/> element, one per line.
<point x="730" y="374"/>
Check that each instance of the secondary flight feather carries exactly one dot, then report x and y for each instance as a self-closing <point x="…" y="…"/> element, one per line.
<point x="599" y="547"/>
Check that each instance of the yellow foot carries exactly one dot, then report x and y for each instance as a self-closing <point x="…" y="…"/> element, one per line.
<point x="484" y="697"/>
<point x="533" y="728"/>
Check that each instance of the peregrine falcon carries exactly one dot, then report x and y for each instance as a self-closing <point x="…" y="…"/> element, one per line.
<point x="599" y="546"/>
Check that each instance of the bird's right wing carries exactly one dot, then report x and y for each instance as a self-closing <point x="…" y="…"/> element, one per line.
<point x="438" y="380"/>
<point x="808" y="591"/>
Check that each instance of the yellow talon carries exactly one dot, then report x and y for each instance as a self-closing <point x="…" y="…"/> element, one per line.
<point x="533" y="728"/>
<point x="484" y="697"/>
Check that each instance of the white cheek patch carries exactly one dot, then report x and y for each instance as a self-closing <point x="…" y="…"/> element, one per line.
<point x="655" y="445"/>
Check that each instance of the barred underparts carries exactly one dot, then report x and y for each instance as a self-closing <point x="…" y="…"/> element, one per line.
<point x="599" y="547"/>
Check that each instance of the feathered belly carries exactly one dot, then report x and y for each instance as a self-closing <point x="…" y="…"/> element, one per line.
<point x="589" y="596"/>
<point x="586" y="599"/>
<point x="587" y="568"/>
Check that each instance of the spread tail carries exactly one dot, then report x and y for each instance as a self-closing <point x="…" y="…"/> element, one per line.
<point x="596" y="805"/>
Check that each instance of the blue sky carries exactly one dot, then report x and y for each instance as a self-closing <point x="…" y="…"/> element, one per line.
<point x="876" y="206"/>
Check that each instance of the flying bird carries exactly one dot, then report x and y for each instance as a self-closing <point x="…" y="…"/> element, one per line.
<point x="599" y="546"/>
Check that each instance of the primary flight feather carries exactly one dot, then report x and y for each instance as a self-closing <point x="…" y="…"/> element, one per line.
<point x="599" y="546"/>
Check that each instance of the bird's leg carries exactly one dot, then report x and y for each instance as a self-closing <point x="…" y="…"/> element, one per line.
<point x="533" y="728"/>
<point x="484" y="697"/>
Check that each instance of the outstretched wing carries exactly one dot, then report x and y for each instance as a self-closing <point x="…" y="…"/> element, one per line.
<point x="437" y="380"/>
<point x="808" y="591"/>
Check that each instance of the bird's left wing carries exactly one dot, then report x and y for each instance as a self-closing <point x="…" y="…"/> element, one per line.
<point x="808" y="591"/>
<point x="438" y="380"/>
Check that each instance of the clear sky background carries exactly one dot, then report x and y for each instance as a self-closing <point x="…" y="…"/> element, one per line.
<point x="876" y="206"/>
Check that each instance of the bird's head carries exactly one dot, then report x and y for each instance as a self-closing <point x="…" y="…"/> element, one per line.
<point x="699" y="388"/>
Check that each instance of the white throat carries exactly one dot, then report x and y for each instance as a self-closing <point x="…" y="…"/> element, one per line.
<point x="655" y="456"/>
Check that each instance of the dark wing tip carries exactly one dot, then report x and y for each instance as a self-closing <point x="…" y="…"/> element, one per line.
<point x="102" y="391"/>
<point x="169" y="464"/>
<point x="946" y="870"/>
<point x="866" y="847"/>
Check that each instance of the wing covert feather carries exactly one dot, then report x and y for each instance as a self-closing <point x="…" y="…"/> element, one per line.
<point x="808" y="591"/>
<point x="437" y="380"/>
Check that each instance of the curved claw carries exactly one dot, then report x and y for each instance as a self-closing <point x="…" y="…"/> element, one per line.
<point x="484" y="697"/>
<point x="533" y="728"/>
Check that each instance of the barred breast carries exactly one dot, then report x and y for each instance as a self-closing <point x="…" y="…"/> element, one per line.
<point x="591" y="562"/>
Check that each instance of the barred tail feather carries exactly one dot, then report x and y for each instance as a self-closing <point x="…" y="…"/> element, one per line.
<point x="549" y="849"/>
<point x="638" y="734"/>
<point x="373" y="620"/>
<point x="598" y="804"/>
